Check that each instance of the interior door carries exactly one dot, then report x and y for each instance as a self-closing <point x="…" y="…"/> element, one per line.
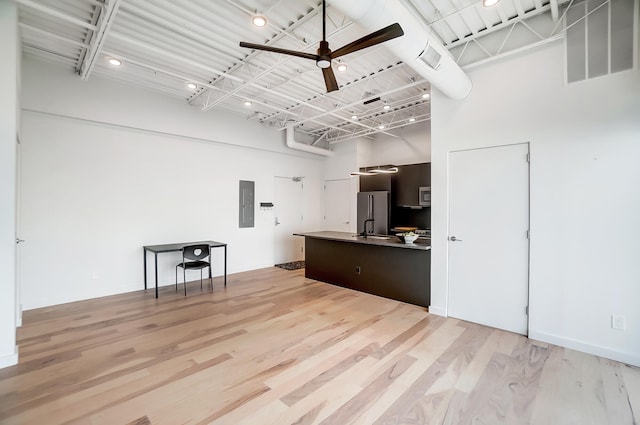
<point x="336" y="205"/>
<point x="488" y="244"/>
<point x="288" y="214"/>
<point x="18" y="232"/>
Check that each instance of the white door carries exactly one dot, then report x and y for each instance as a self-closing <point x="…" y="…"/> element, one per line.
<point x="336" y="205"/>
<point x="288" y="209"/>
<point x="18" y="226"/>
<point x="488" y="244"/>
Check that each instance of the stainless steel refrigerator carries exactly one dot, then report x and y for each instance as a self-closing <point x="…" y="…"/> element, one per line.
<point x="373" y="206"/>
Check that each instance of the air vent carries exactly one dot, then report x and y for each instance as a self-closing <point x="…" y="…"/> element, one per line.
<point x="599" y="38"/>
<point x="431" y="57"/>
<point x="371" y="100"/>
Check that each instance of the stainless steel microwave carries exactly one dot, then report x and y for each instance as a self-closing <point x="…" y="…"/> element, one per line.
<point x="425" y="196"/>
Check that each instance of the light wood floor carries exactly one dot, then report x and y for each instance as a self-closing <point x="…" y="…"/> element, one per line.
<point x="276" y="348"/>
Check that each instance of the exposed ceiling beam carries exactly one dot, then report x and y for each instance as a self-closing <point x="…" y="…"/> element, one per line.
<point x="99" y="37"/>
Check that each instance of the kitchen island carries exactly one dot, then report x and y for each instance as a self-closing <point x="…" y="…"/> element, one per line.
<point x="377" y="265"/>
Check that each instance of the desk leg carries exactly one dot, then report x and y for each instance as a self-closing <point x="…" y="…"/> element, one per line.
<point x="225" y="266"/>
<point x="155" y="254"/>
<point x="144" y="251"/>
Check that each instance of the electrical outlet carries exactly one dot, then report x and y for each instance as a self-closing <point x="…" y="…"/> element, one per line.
<point x="617" y="322"/>
<point x="358" y="270"/>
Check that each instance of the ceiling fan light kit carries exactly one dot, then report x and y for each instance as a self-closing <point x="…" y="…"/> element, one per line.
<point x="325" y="55"/>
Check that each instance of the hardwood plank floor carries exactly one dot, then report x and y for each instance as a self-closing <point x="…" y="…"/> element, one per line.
<point x="276" y="348"/>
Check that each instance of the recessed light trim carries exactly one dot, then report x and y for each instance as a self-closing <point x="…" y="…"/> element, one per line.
<point x="354" y="117"/>
<point x="412" y="119"/>
<point x="259" y="21"/>
<point x="192" y="86"/>
<point x="489" y="3"/>
<point x="426" y="95"/>
<point x="381" y="127"/>
<point x="342" y="67"/>
<point x="114" y="61"/>
<point x="386" y="107"/>
<point x="247" y="103"/>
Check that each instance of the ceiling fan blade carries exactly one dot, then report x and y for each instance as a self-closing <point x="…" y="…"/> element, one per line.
<point x="380" y="36"/>
<point x="277" y="50"/>
<point x="329" y="79"/>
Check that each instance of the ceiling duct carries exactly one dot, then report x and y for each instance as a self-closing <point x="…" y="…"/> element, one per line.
<point x="293" y="144"/>
<point x="418" y="48"/>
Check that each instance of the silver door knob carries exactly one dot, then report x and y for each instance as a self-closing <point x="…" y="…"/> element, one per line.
<point x="454" y="239"/>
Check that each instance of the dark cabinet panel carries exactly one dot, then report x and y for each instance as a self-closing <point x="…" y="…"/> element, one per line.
<point x="375" y="183"/>
<point x="396" y="273"/>
<point x="407" y="182"/>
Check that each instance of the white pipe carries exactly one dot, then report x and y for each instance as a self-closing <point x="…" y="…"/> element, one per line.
<point x="291" y="143"/>
<point x="414" y="46"/>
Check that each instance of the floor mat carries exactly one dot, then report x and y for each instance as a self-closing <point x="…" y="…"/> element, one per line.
<point x="294" y="265"/>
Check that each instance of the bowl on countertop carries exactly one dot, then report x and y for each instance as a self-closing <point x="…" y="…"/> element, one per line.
<point x="408" y="237"/>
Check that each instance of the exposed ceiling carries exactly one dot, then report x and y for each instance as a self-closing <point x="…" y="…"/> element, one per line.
<point x="164" y="44"/>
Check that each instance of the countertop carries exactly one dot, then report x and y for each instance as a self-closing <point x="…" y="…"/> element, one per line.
<point x="421" y="244"/>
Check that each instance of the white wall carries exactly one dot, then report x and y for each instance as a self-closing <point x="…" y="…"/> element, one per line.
<point x="109" y="168"/>
<point x="338" y="167"/>
<point x="411" y="145"/>
<point x="585" y="192"/>
<point x="9" y="66"/>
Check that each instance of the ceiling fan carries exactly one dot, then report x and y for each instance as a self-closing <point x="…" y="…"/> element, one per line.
<point x="325" y="55"/>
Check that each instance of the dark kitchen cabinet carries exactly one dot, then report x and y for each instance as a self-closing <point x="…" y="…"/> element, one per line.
<point x="375" y="183"/>
<point x="408" y="181"/>
<point x="397" y="273"/>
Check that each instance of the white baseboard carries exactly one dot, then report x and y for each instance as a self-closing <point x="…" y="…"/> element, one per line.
<point x="596" y="350"/>
<point x="10" y="360"/>
<point x="438" y="311"/>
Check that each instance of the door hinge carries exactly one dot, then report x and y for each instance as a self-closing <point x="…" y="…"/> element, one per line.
<point x="526" y="310"/>
<point x="528" y="157"/>
<point x="528" y="234"/>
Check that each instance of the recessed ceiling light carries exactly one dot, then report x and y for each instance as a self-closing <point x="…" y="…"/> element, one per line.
<point x="489" y="3"/>
<point x="114" y="61"/>
<point x="192" y="86"/>
<point x="381" y="127"/>
<point x="386" y="107"/>
<point x="247" y="103"/>
<point x="354" y="117"/>
<point x="342" y="67"/>
<point x="426" y="95"/>
<point x="412" y="119"/>
<point x="259" y="21"/>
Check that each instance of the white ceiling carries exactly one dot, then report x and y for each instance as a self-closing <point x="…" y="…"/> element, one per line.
<point x="166" y="43"/>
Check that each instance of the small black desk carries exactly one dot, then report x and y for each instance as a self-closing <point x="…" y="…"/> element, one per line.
<point x="171" y="247"/>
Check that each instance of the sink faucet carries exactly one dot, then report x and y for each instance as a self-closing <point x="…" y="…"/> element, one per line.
<point x="364" y="227"/>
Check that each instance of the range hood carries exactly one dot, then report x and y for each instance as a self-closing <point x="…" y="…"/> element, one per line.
<point x="418" y="48"/>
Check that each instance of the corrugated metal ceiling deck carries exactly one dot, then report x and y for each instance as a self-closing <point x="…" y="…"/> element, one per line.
<point x="165" y="44"/>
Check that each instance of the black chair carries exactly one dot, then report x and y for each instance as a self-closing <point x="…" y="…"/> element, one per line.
<point x="198" y="256"/>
